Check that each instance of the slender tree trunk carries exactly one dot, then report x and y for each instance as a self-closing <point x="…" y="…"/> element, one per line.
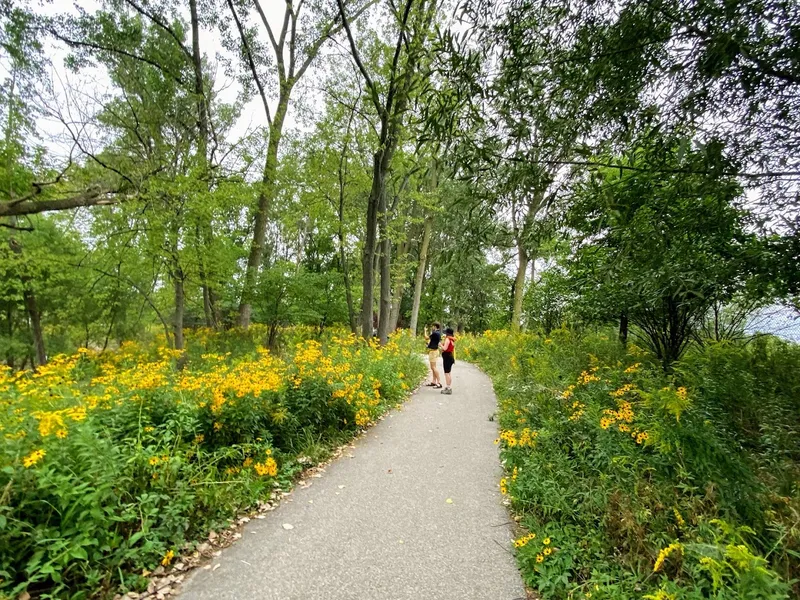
<point x="179" y="310"/>
<point x="420" y="276"/>
<point x="10" y="318"/>
<point x="351" y="311"/>
<point x="399" y="284"/>
<point x="519" y="288"/>
<point x="370" y="242"/>
<point x="36" y="326"/>
<point x="265" y="199"/>
<point x="623" y="328"/>
<point x="385" y="306"/>
<point x="32" y="308"/>
<point x="204" y="233"/>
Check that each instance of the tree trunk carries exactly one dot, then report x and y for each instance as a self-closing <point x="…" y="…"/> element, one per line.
<point x="519" y="289"/>
<point x="204" y="233"/>
<point x="179" y="310"/>
<point x="385" y="301"/>
<point x="351" y="311"/>
<point x="265" y="199"/>
<point x="36" y="326"/>
<point x="420" y="276"/>
<point x="623" y="328"/>
<point x="370" y="242"/>
<point x="10" y="318"/>
<point x="399" y="284"/>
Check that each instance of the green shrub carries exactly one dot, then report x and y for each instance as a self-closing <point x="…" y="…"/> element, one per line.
<point x="615" y="461"/>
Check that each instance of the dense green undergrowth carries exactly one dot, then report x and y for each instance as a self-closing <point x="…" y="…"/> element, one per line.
<point x="633" y="483"/>
<point x="111" y="463"/>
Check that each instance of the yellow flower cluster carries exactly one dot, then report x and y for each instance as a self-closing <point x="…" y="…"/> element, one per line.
<point x="586" y="377"/>
<point x="577" y="411"/>
<point x="625" y="389"/>
<point x="53" y="421"/>
<point x="225" y="383"/>
<point x="523" y="541"/>
<point x="47" y="404"/>
<point x="664" y="554"/>
<point x="33" y="458"/>
<point x="623" y="417"/>
<point x="509" y="436"/>
<point x="504" y="486"/>
<point x="527" y="437"/>
<point x="633" y="368"/>
<point x="624" y="414"/>
<point x="662" y="595"/>
<point x="268" y="468"/>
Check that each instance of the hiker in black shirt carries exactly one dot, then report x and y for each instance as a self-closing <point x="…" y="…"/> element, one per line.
<point x="433" y="355"/>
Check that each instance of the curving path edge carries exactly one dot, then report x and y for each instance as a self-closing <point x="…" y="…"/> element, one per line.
<point x="412" y="511"/>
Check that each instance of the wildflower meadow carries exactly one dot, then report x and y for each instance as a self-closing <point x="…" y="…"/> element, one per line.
<point x="113" y="463"/>
<point x="629" y="482"/>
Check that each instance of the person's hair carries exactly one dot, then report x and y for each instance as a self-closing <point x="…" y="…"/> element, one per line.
<point x="449" y="331"/>
<point x="436" y="325"/>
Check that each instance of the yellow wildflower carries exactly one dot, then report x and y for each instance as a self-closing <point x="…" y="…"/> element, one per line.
<point x="664" y="553"/>
<point x="168" y="558"/>
<point x="33" y="458"/>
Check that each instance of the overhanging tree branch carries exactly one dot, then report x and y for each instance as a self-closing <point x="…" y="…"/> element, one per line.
<point x="90" y="197"/>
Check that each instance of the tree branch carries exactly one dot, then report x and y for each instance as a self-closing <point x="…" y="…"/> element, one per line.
<point x="102" y="48"/>
<point x="354" y="50"/>
<point x="90" y="197"/>
<point x="155" y="19"/>
<point x="250" y="61"/>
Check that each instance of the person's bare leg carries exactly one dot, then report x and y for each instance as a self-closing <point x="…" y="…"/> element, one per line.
<point x="449" y="378"/>
<point x="434" y="373"/>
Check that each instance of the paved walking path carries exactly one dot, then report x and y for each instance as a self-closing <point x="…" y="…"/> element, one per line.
<point x="414" y="514"/>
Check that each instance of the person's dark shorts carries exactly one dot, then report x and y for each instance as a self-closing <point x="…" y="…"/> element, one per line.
<point x="449" y="360"/>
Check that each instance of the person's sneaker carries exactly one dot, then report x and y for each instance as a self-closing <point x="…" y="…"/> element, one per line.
<point x="447" y="391"/>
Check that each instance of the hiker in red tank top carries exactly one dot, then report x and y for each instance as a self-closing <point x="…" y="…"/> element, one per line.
<point x="448" y="348"/>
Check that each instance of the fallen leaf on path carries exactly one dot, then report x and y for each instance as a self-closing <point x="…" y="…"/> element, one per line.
<point x="216" y="566"/>
<point x="341" y="487"/>
<point x="389" y="471"/>
<point x="288" y="526"/>
<point x="449" y="500"/>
